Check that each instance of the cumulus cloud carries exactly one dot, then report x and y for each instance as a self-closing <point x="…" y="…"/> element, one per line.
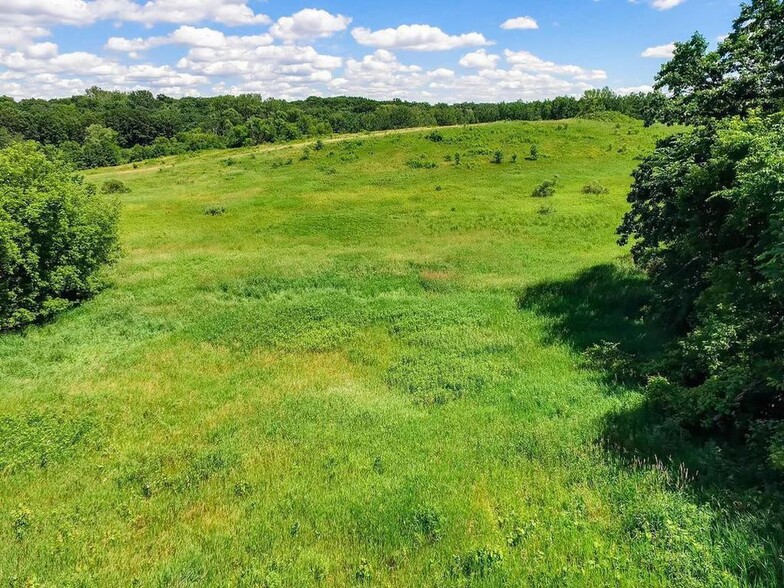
<point x="417" y="38"/>
<point x="479" y="59"/>
<point x="85" y="12"/>
<point x="309" y="23"/>
<point x="526" y="61"/>
<point x="521" y="22"/>
<point x="659" y="51"/>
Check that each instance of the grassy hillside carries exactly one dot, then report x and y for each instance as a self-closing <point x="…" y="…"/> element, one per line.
<point x="366" y="366"/>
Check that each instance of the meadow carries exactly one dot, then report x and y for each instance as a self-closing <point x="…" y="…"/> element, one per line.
<point x="365" y="361"/>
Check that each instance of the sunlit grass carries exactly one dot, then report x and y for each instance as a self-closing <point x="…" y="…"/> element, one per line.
<point x="334" y="381"/>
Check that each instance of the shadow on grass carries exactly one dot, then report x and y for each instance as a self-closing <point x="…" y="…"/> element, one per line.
<point x="599" y="313"/>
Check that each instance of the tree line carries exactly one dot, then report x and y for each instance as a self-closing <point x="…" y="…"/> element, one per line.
<point x="102" y="128"/>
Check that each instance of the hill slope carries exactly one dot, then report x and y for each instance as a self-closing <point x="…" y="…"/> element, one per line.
<point x="364" y="366"/>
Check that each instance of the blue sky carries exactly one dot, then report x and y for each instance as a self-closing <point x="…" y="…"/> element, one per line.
<point x="431" y="50"/>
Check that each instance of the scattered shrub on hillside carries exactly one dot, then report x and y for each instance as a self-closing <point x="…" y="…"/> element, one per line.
<point x="421" y="163"/>
<point x="545" y="210"/>
<point x="438" y="188"/>
<point x="435" y="137"/>
<point x="457" y="159"/>
<point x="229" y="161"/>
<point x="215" y="210"/>
<point x="514" y="158"/>
<point x="545" y="189"/>
<point x="448" y="158"/>
<point x="534" y="153"/>
<point x="498" y="157"/>
<point x="56" y="236"/>
<point x="114" y="186"/>
<point x="319" y="146"/>
<point x="305" y="154"/>
<point x="595" y="188"/>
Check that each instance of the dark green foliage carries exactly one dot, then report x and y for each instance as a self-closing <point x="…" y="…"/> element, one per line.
<point x="215" y="210"/>
<point x="56" y="234"/>
<point x="545" y="189"/>
<point x="534" y="153"/>
<point x="435" y="137"/>
<point x="595" y="188"/>
<point x="744" y="74"/>
<point x="498" y="157"/>
<point x="707" y="221"/>
<point x="114" y="186"/>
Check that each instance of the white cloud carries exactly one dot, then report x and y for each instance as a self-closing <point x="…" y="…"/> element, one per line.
<point x="521" y="22"/>
<point x="645" y="88"/>
<point x="526" y="61"/>
<point x="84" y="12"/>
<point x="417" y="38"/>
<point x="309" y="23"/>
<point x="666" y="4"/>
<point x="660" y="51"/>
<point x="479" y="59"/>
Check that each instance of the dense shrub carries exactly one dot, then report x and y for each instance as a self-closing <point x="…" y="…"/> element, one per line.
<point x="114" y="186"/>
<point x="56" y="234"/>
<point x="708" y="220"/>
<point x="545" y="189"/>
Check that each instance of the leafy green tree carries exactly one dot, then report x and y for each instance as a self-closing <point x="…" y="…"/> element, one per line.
<point x="707" y="225"/>
<point x="100" y="147"/>
<point x="56" y="234"/>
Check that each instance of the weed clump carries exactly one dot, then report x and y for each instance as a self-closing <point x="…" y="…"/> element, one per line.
<point x="498" y="157"/>
<point x="595" y="188"/>
<point x="435" y="137"/>
<point x="215" y="210"/>
<point x="534" y="153"/>
<point x="114" y="186"/>
<point x="477" y="564"/>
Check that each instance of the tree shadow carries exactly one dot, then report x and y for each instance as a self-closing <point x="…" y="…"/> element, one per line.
<point x="600" y="314"/>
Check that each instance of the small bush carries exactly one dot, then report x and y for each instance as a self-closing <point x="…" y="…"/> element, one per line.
<point x="545" y="189"/>
<point x="545" y="210"/>
<point x="534" y="153"/>
<point x="435" y="137"/>
<point x="114" y="187"/>
<point x="228" y="162"/>
<point x="595" y="188"/>
<point x="421" y="164"/>
<point x="305" y="154"/>
<point x="319" y="146"/>
<point x="498" y="157"/>
<point x="514" y="158"/>
<point x="215" y="210"/>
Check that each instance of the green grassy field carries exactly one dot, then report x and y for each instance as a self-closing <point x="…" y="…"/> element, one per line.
<point x="369" y="369"/>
